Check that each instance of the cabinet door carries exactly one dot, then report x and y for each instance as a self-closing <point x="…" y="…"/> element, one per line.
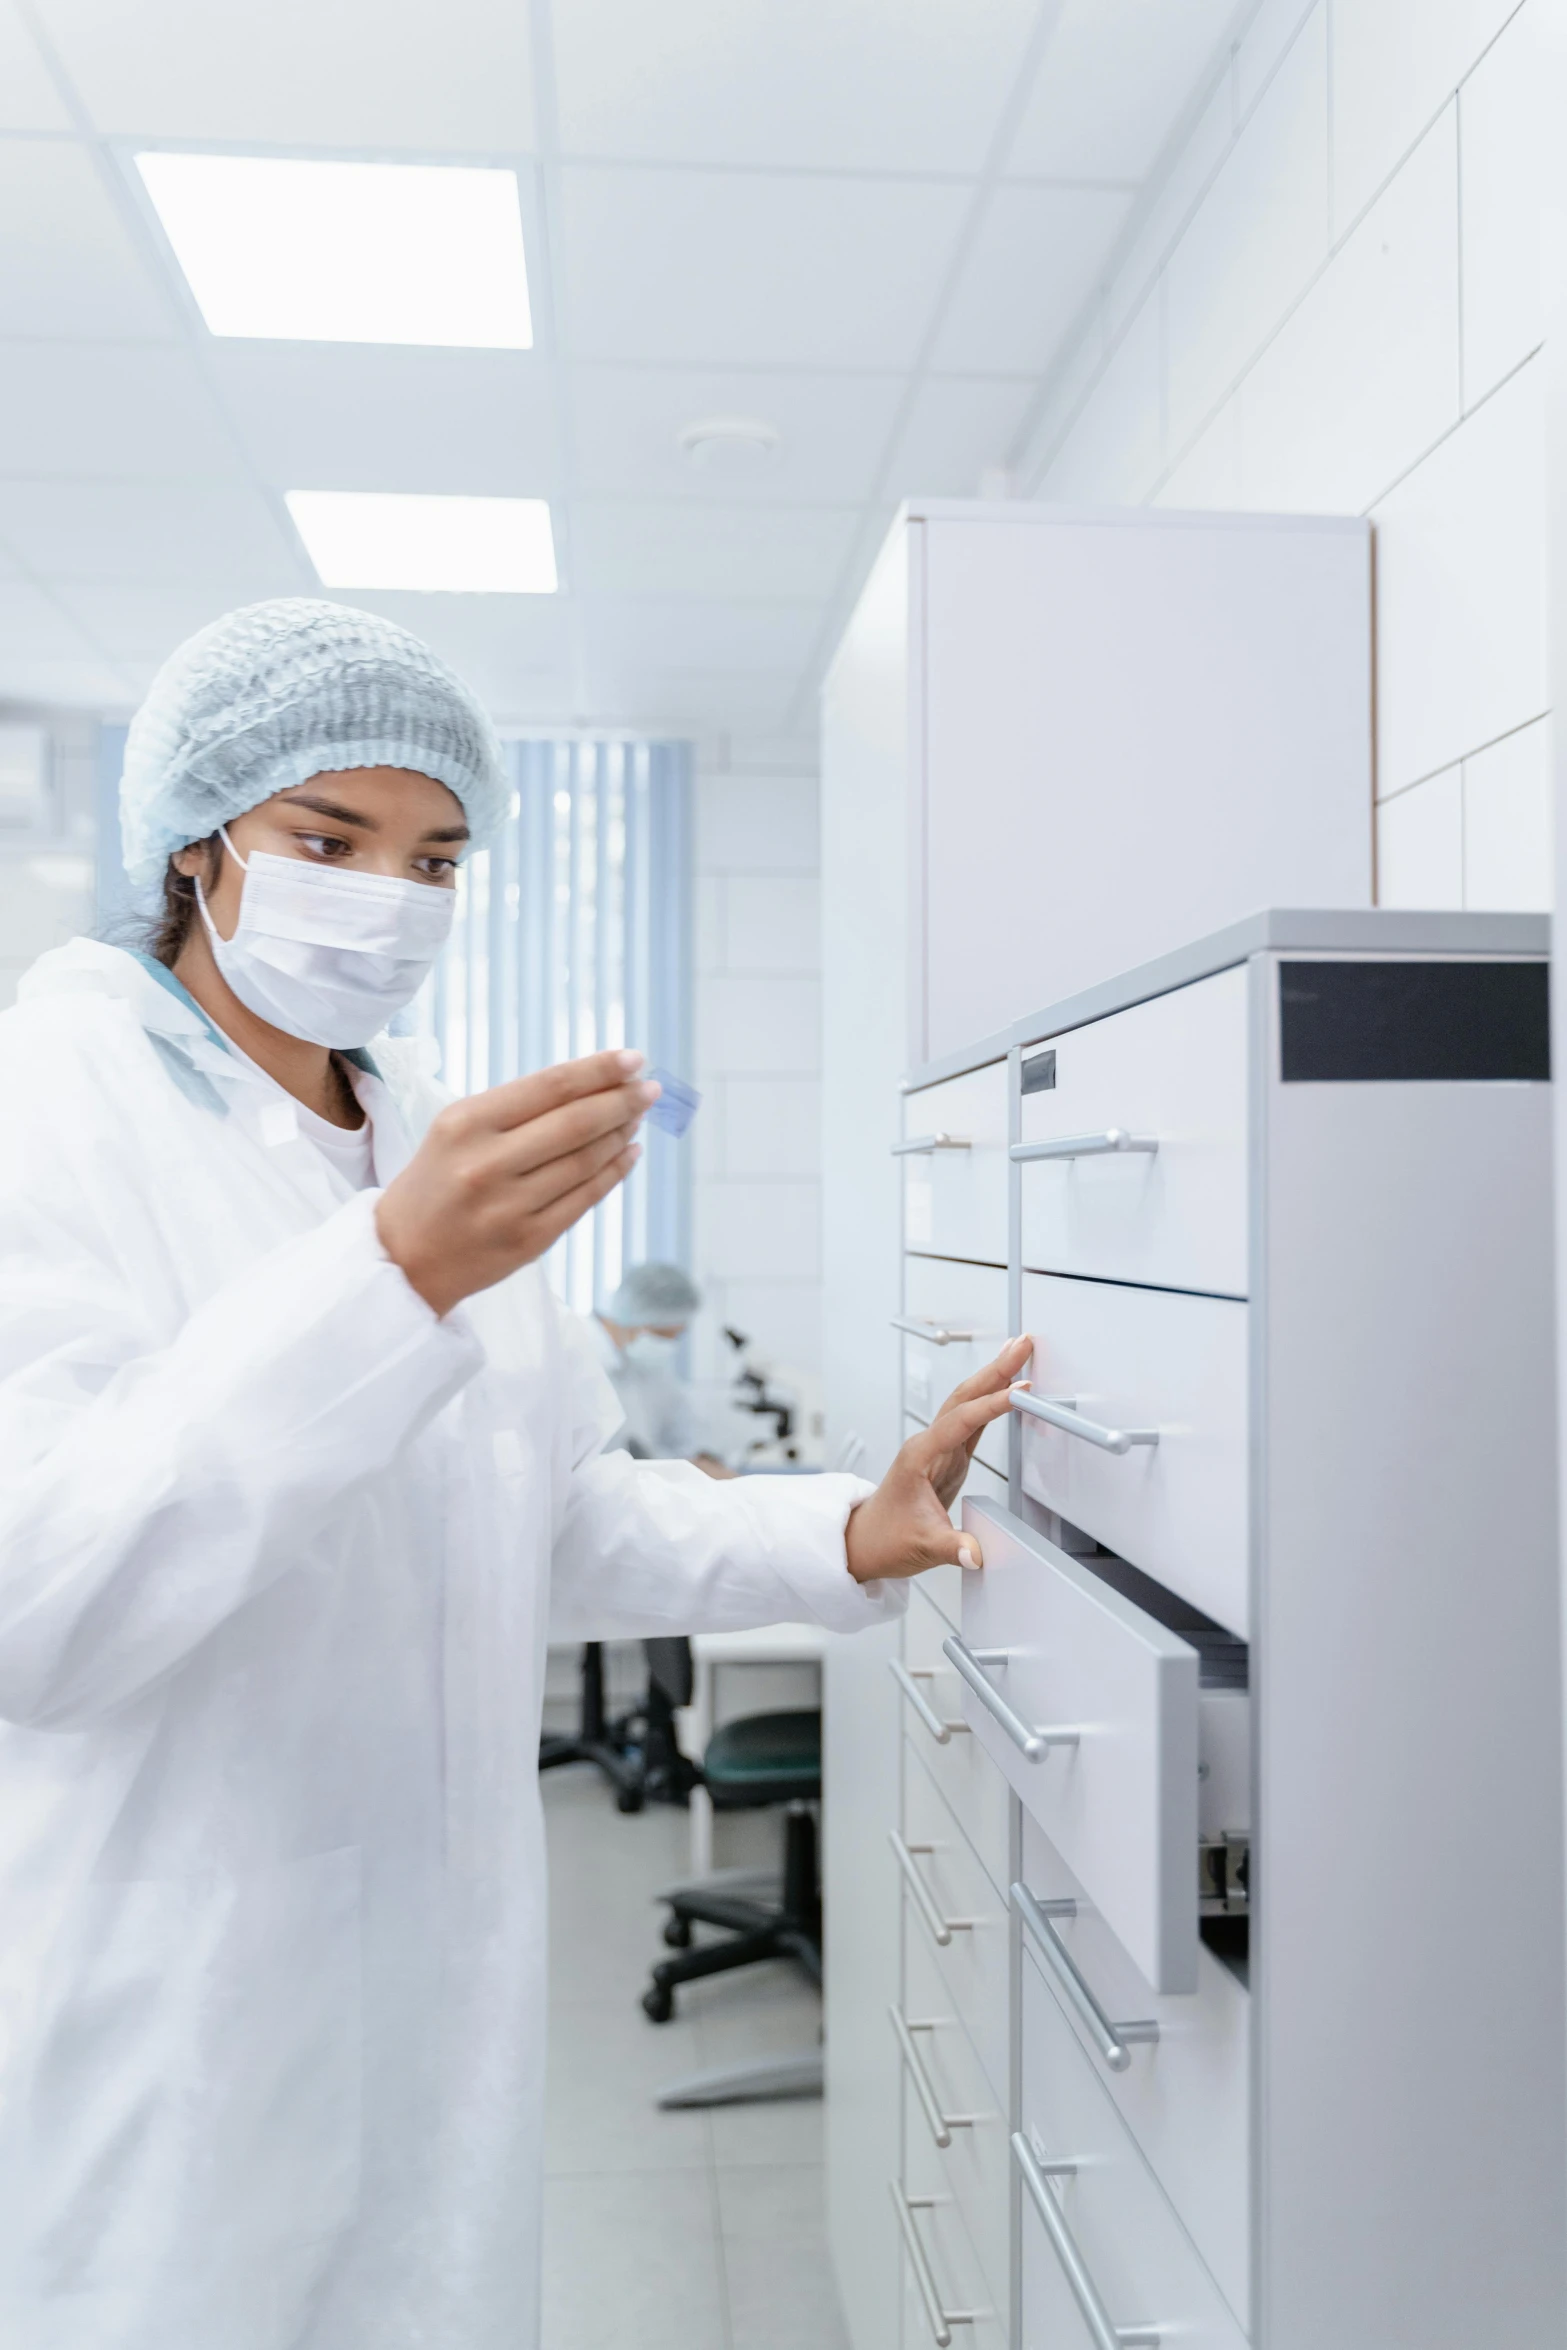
<point x="1106" y="2216"/>
<point x="954" y="1153"/>
<point x="975" y="1790"/>
<point x="1089" y="1707"/>
<point x="1133" y="1143"/>
<point x="1132" y="1361"/>
<point x="952" y="1908"/>
<point x="947" y="2096"/>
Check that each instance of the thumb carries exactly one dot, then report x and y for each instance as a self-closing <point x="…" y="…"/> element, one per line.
<point x="955" y="1546"/>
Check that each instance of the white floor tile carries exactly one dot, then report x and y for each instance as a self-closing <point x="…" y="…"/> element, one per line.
<point x="781" y="2293"/>
<point x="632" y="2260"/>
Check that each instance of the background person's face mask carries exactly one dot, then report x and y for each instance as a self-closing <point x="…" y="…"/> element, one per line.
<point x="650" y="1352"/>
<point x="324" y="955"/>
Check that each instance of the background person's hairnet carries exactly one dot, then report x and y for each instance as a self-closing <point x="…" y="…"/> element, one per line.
<point x="651" y="1296"/>
<point x="275" y="693"/>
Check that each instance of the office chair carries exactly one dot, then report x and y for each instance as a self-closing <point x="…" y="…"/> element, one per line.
<point x="763" y="1759"/>
<point x="599" y="1740"/>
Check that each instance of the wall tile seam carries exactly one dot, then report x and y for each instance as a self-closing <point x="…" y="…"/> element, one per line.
<point x="1262" y="350"/>
<point x="1450" y="98"/>
<point x="1461" y="758"/>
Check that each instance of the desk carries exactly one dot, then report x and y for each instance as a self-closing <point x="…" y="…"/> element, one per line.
<point x="772" y="1644"/>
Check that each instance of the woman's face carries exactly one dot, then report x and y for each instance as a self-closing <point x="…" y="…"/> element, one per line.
<point x="360" y="819"/>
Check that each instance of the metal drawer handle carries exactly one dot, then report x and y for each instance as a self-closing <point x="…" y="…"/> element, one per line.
<point x="1110" y="1144"/>
<point x="1104" y="2334"/>
<point x="920" y="1146"/>
<point x="942" y="1929"/>
<point x="941" y="2321"/>
<point x="1070" y="1423"/>
<point x="1033" y="1745"/>
<point x="1113" y="2041"/>
<point x="942" y="2124"/>
<point x="916" y="1328"/>
<point x="941" y="1731"/>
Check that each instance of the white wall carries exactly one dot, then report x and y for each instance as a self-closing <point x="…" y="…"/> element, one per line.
<point x="47" y="879"/>
<point x="757" y="1141"/>
<point x="1331" y="305"/>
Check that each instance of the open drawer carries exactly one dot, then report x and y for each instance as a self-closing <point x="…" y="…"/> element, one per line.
<point x="1090" y="1708"/>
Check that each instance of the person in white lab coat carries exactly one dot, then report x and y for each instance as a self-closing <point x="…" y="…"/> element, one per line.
<point x="301" y="1466"/>
<point x="636" y="1338"/>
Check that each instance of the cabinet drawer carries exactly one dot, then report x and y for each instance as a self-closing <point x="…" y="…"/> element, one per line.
<point x="953" y="2282"/>
<point x="956" y="1899"/>
<point x="1131" y="1360"/>
<point x="1185" y="2095"/>
<point x="945" y="2082"/>
<point x="1171" y="1072"/>
<point x="943" y="1586"/>
<point x="1108" y="1699"/>
<point x="955" y="1175"/>
<point x="1135" y="2256"/>
<point x="954" y="1321"/>
<point x="976" y="1791"/>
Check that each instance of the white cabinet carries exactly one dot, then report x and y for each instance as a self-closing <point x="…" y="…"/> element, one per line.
<point x="954" y="1154"/>
<point x="1132" y="1143"/>
<point x="954" y="1321"/>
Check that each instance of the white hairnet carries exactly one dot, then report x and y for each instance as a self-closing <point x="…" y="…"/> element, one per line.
<point x="275" y="693"/>
<point x="652" y="1295"/>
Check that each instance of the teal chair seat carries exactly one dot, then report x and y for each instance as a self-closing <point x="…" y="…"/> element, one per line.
<point x="765" y="1758"/>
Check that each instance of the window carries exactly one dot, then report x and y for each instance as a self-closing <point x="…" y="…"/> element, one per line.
<point x="572" y="935"/>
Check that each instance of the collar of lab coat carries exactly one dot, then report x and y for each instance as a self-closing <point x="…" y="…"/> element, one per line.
<point x="199" y="1060"/>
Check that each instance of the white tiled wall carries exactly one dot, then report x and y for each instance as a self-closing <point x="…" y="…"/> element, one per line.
<point x="1331" y="304"/>
<point x="757" y="1207"/>
<point x="46" y="882"/>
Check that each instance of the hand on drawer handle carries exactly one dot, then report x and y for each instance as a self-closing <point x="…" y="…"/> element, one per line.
<point x="1102" y="2332"/>
<point x="942" y="1929"/>
<point x="914" y="1327"/>
<point x="1113" y="2041"/>
<point x="941" y="1731"/>
<point x="941" y="2321"/>
<point x="1110" y="1144"/>
<point x="922" y="1145"/>
<point x="1070" y="1423"/>
<point x="1033" y="1745"/>
<point x="941" y="2124"/>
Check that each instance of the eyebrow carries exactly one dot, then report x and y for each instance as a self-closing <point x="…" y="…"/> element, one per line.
<point x="353" y="816"/>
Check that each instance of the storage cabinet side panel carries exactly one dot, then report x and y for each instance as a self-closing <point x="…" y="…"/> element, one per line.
<point x="865" y="910"/>
<point x="1135" y="732"/>
<point x="1408" y="1931"/>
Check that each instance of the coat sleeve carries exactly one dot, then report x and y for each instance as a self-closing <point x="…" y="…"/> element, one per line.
<point x="147" y="1492"/>
<point x="649" y="1547"/>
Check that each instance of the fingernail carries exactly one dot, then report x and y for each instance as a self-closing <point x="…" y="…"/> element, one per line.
<point x="968" y="1557"/>
<point x="630" y="1062"/>
<point x="648" y="1091"/>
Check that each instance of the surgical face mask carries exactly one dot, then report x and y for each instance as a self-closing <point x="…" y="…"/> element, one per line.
<point x="324" y="955"/>
<point x="649" y="1352"/>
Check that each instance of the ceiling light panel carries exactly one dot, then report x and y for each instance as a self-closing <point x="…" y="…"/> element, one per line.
<point x="347" y="252"/>
<point x="453" y="546"/>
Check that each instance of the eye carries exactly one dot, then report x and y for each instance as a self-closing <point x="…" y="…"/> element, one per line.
<point x="330" y="846"/>
<point x="436" y="868"/>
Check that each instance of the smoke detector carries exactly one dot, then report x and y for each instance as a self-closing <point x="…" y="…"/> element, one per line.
<point x="730" y="444"/>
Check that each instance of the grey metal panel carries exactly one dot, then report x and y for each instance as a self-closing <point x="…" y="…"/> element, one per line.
<point x="1408" y="1921"/>
<point x="1381" y="930"/>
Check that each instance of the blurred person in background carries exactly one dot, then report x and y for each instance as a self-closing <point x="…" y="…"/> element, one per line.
<point x="637" y="1339"/>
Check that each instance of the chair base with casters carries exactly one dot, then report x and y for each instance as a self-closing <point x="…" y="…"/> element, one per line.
<point x="766" y="1759"/>
<point x="745" y="2084"/>
<point x="599" y="1740"/>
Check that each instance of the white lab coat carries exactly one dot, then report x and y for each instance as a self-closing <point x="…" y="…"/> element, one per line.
<point x="280" y="1553"/>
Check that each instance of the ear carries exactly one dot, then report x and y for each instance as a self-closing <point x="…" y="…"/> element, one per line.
<point x="196" y="857"/>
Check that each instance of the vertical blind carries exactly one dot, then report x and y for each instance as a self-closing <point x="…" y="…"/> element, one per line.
<point x="572" y="936"/>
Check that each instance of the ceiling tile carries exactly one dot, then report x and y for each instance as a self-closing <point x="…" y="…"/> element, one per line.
<point x="830" y="84"/>
<point x="750" y="269"/>
<point x="389" y="74"/>
<point x="67" y="265"/>
<point x="695" y="701"/>
<point x="33" y="627"/>
<point x="678" y="549"/>
<point x="28" y="98"/>
<point x="169" y="533"/>
<point x="958" y="426"/>
<point x="349" y="417"/>
<point x="143" y="620"/>
<point x="1026" y="277"/>
<point x="654" y="636"/>
<point x="1114" y="81"/>
<point x="832" y="431"/>
<point x="128" y="412"/>
<point x="80" y="683"/>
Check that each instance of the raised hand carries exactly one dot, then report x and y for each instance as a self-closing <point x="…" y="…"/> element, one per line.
<point x="904" y="1528"/>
